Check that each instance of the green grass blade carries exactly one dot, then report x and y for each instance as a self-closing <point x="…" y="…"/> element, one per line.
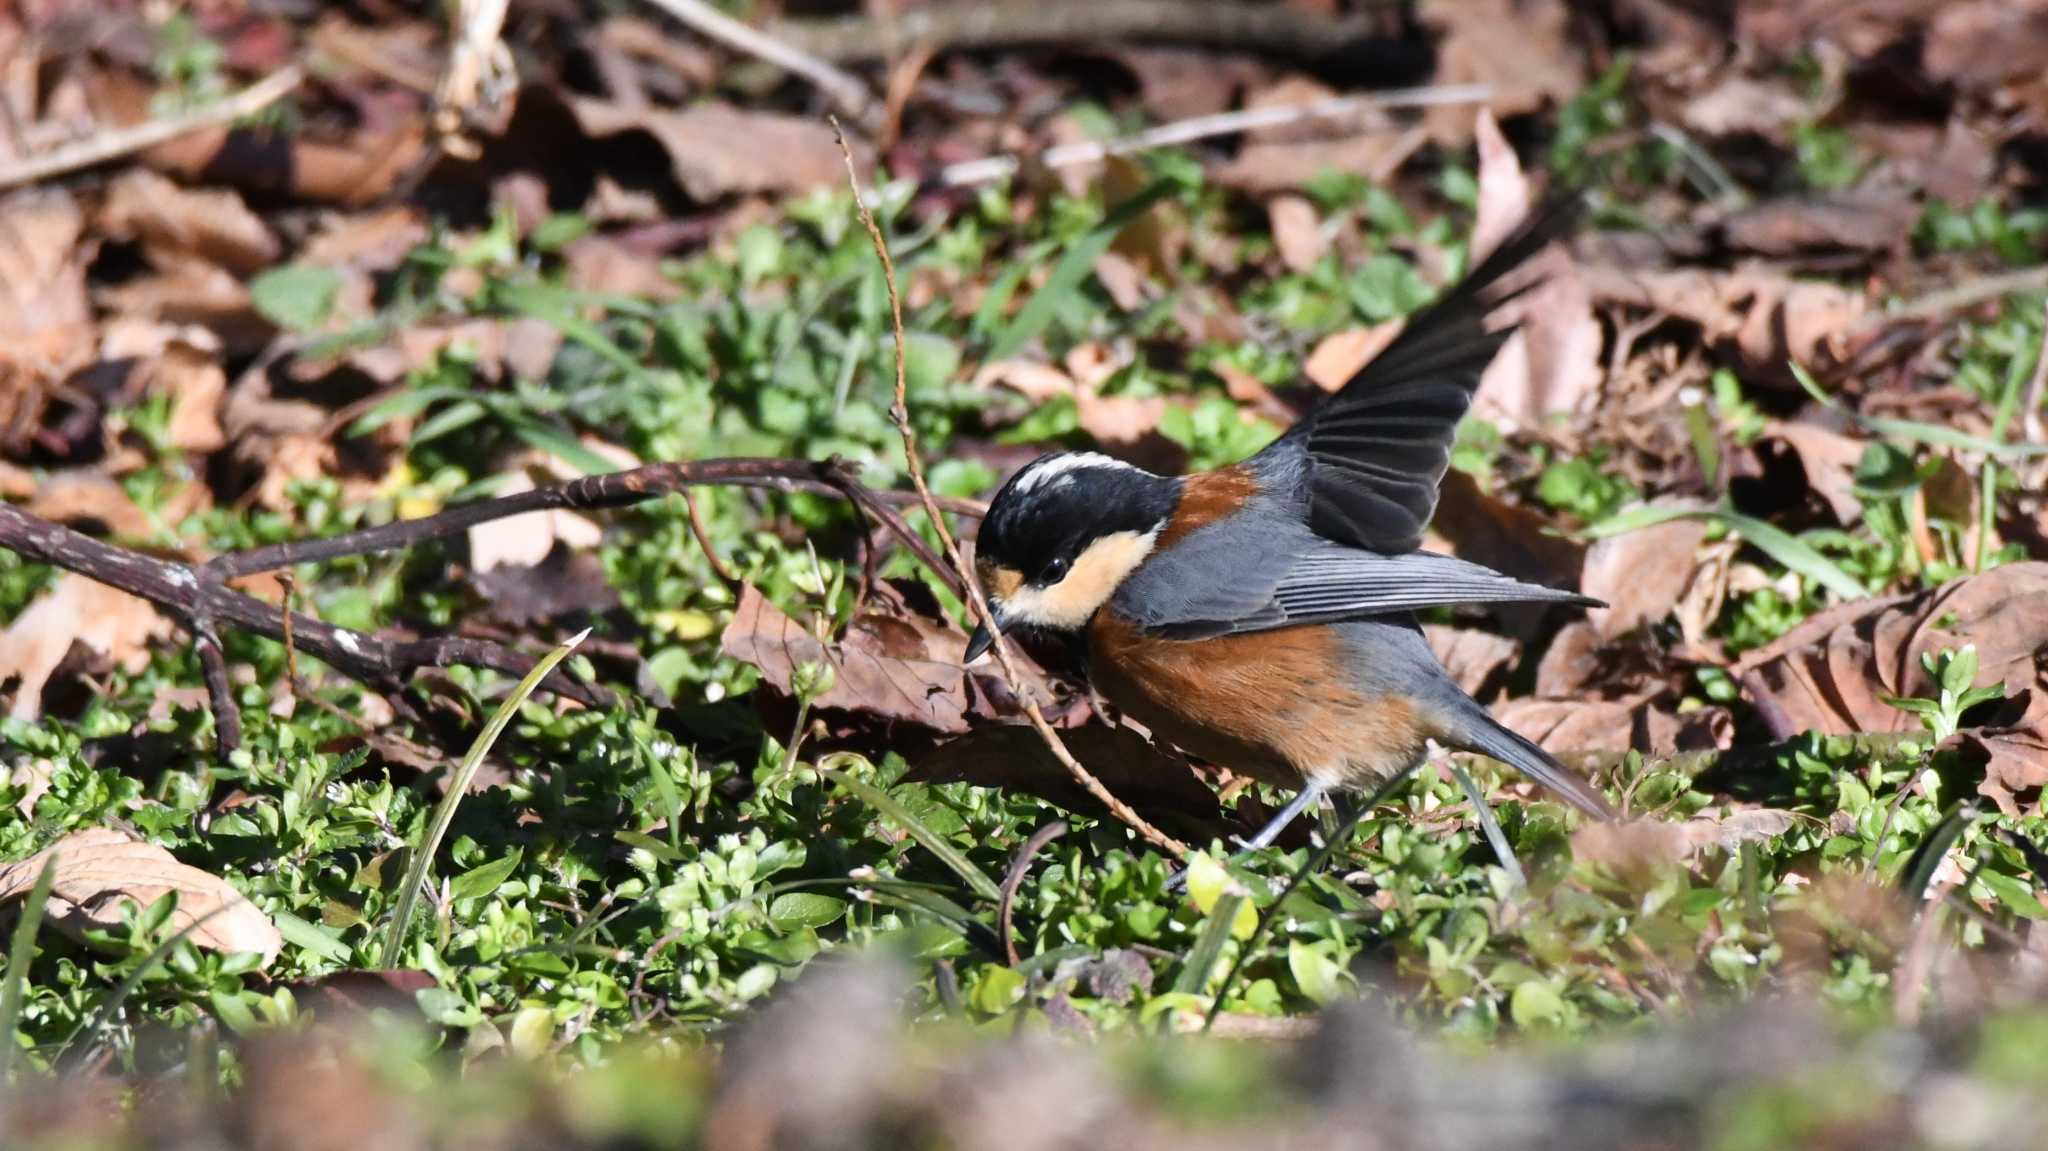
<point x="1194" y="971"/>
<point x="1073" y="268"/>
<point x="932" y="841"/>
<point x="19" y="956"/>
<point x="444" y="815"/>
<point x="1789" y="550"/>
<point x="1795" y="554"/>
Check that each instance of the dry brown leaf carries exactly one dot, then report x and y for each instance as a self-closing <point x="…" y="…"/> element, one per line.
<point x="1767" y="317"/>
<point x="1829" y="458"/>
<point x="1641" y="574"/>
<point x="1858" y="222"/>
<point x="718" y="150"/>
<point x="1503" y="189"/>
<point x="1979" y="44"/>
<point x="374" y="241"/>
<point x="1473" y="657"/>
<point x="112" y="623"/>
<point x="100" y="869"/>
<point x="87" y="496"/>
<point x="181" y="363"/>
<point x="1286" y="158"/>
<point x="1565" y="726"/>
<point x="45" y="316"/>
<point x="1510" y="538"/>
<point x="1830" y="673"/>
<point x="525" y="540"/>
<point x="1739" y="104"/>
<point x="1642" y="842"/>
<point x="1297" y="231"/>
<point x="1338" y="356"/>
<point x="1520" y="49"/>
<point x="1114" y="421"/>
<point x="172" y="223"/>
<point x="1551" y="365"/>
<point x="2014" y="757"/>
<point x="923" y="690"/>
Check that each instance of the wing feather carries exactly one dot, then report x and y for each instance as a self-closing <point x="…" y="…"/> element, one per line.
<point x="1377" y="450"/>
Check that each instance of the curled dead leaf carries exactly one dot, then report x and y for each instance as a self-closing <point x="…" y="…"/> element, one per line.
<point x="1831" y="673"/>
<point x="718" y="150"/>
<point x="927" y="686"/>
<point x="100" y="869"/>
<point x="77" y="610"/>
<point x="1297" y="231"/>
<point x="1473" y="657"/>
<point x="172" y="222"/>
<point x="1338" y="356"/>
<point x="1639" y="843"/>
<point x="1566" y="726"/>
<point x="45" y="317"/>
<point x="1551" y="365"/>
<point x="1520" y="49"/>
<point x="1641" y="574"/>
<point x="1762" y="314"/>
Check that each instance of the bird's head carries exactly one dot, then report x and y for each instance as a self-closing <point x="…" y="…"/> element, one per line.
<point x="1061" y="535"/>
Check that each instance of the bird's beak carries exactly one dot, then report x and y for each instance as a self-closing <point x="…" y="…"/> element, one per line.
<point x="983" y="637"/>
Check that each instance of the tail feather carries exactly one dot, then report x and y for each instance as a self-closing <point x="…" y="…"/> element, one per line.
<point x="1483" y="734"/>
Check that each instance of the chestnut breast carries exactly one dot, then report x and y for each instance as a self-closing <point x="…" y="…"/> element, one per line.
<point x="1279" y="705"/>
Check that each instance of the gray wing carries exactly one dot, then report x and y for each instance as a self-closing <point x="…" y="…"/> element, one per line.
<point x="1248" y="574"/>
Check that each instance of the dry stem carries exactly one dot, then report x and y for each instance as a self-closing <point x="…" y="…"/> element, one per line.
<point x="115" y="143"/>
<point x="899" y="414"/>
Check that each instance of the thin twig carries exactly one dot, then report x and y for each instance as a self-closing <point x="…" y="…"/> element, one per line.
<point x="1020" y="866"/>
<point x="1284" y="29"/>
<point x="703" y="537"/>
<point x="112" y="145"/>
<point x="899" y="414"/>
<point x="198" y="595"/>
<point x="1947" y="301"/>
<point x="846" y="90"/>
<point x="1188" y="131"/>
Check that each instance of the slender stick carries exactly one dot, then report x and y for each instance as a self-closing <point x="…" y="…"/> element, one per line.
<point x="1208" y="127"/>
<point x="198" y="595"/>
<point x="845" y="89"/>
<point x="899" y="414"/>
<point x="112" y="145"/>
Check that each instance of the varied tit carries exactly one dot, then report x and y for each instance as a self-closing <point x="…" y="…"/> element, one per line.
<point x="1261" y="616"/>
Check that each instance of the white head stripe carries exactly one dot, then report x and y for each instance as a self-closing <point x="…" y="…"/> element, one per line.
<point x="1052" y="468"/>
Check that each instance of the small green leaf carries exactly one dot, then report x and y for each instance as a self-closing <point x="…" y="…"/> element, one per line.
<point x="1534" y="1003"/>
<point x="2017" y="897"/>
<point x="485" y="878"/>
<point x="805" y="909"/>
<point x="447" y="1008"/>
<point x="1319" y="977"/>
<point x="1000" y="987"/>
<point x="312" y="937"/>
<point x="533" y="1030"/>
<point x="296" y="297"/>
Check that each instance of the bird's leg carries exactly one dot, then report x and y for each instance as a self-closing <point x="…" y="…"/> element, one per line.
<point x="1488" y="825"/>
<point x="1310" y="792"/>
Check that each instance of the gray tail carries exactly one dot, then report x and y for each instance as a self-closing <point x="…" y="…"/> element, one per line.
<point x="1483" y="734"/>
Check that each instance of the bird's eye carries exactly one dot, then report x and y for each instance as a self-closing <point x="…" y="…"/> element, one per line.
<point x="1055" y="571"/>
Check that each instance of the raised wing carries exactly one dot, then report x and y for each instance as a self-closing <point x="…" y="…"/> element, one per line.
<point x="1377" y="449"/>
<point x="1244" y="575"/>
